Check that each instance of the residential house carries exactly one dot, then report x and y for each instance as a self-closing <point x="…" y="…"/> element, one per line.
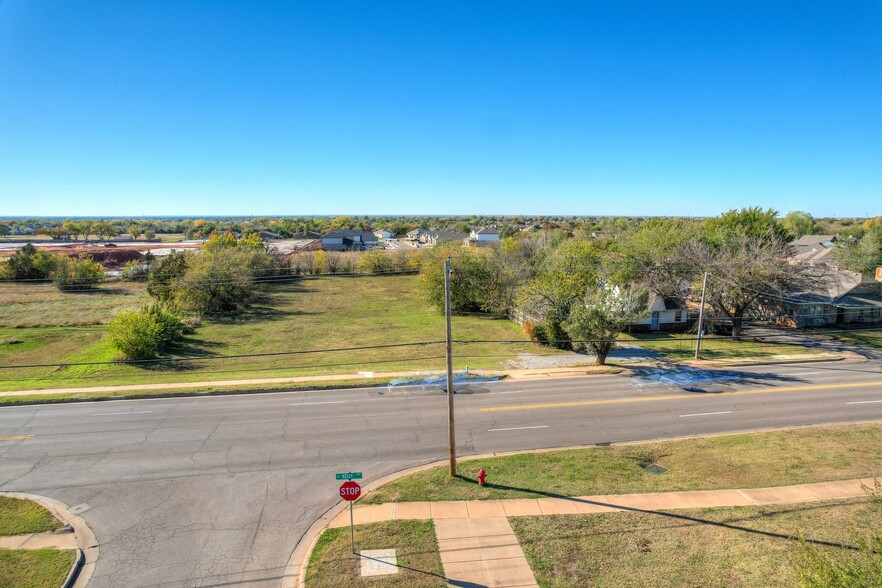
<point x="434" y="237"/>
<point x="267" y="236"/>
<point x="485" y="234"/>
<point x="841" y="298"/>
<point x="813" y="250"/>
<point x="383" y="234"/>
<point x="348" y="240"/>
<point x="664" y="314"/>
<point x="416" y="234"/>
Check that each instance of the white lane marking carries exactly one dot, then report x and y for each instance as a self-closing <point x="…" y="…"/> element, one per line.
<point x="864" y="402"/>
<point x="511" y="392"/>
<point x="682" y="416"/>
<point x="121" y="413"/>
<point x="325" y="402"/>
<point x="520" y="428"/>
<point x="805" y="374"/>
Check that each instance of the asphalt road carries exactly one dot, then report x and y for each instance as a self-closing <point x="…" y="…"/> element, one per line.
<point x="217" y="491"/>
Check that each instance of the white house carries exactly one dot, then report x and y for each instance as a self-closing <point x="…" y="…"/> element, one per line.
<point x="383" y="234"/>
<point x="665" y="314"/>
<point x="485" y="234"/>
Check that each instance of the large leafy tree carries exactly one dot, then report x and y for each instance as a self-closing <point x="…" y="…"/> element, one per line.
<point x="754" y="222"/>
<point x="744" y="271"/>
<point x="861" y="252"/>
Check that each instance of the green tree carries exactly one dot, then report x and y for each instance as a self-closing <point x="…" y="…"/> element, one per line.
<point x="149" y="234"/>
<point x="655" y="254"/>
<point x="80" y="273"/>
<point x="863" y="252"/>
<point x="134" y="230"/>
<point x="163" y="273"/>
<point x="142" y="334"/>
<point x="375" y="262"/>
<point x="30" y="264"/>
<point x="601" y="316"/>
<point x="754" y="223"/>
<point x="799" y="223"/>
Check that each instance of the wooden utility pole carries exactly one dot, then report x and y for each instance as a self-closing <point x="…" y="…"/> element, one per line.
<point x="701" y="319"/>
<point x="451" y="429"/>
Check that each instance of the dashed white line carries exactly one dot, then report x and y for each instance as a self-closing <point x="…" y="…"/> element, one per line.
<point x="864" y="402"/>
<point x="121" y="413"/>
<point x="519" y="428"/>
<point x="683" y="416"/>
<point x="313" y="403"/>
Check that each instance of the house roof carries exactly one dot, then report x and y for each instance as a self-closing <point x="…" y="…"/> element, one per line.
<point x="833" y="286"/>
<point x="658" y="303"/>
<point x="349" y="234"/>
<point x="486" y="231"/>
<point x="809" y="240"/>
<point x="445" y="235"/>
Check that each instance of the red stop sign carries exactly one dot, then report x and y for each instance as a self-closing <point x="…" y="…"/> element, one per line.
<point x="350" y="491"/>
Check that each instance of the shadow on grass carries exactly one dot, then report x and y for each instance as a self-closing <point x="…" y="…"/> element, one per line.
<point x="680" y="517"/>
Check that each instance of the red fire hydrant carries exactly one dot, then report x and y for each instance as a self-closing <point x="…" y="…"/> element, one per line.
<point x="482" y="477"/>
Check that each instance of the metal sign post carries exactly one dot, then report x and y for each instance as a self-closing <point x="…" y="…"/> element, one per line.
<point x="350" y="491"/>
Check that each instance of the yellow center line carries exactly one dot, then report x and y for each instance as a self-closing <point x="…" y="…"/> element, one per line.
<point x="15" y="437"/>
<point x="682" y="396"/>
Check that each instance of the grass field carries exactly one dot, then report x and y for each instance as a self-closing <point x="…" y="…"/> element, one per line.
<point x="681" y="346"/>
<point x="732" y="461"/>
<point x="333" y="565"/>
<point x="18" y="516"/>
<point x="732" y="547"/>
<point x="34" y="568"/>
<point x="870" y="338"/>
<point x="303" y="315"/>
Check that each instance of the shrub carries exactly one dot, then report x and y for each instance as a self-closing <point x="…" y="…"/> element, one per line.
<point x="77" y="273"/>
<point x="135" y="271"/>
<point x="30" y="264"/>
<point x="375" y="262"/>
<point x="142" y="334"/>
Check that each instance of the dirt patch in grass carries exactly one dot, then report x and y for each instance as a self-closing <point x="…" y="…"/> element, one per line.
<point x="747" y="460"/>
<point x="19" y="516"/>
<point x="332" y="563"/>
<point x="738" y="546"/>
<point x="34" y="568"/>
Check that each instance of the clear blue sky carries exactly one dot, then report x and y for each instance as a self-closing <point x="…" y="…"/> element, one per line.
<point x="656" y="107"/>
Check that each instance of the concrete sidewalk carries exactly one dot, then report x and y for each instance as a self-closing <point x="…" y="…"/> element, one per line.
<point x="477" y="509"/>
<point x="479" y="548"/>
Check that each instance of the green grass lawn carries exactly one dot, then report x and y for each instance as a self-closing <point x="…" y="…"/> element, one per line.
<point x="306" y="314"/>
<point x="333" y="565"/>
<point x="733" y="461"/>
<point x="870" y="338"/>
<point x="732" y="547"/>
<point x="681" y="346"/>
<point x="19" y="516"/>
<point x="34" y="568"/>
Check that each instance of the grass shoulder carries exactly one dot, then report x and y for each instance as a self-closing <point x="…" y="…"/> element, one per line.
<point x="19" y="516"/>
<point x="733" y="546"/>
<point x="748" y="460"/>
<point x="332" y="563"/>
<point x="681" y="346"/>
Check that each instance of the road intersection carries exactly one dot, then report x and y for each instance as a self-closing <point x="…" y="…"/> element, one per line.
<point x="217" y="491"/>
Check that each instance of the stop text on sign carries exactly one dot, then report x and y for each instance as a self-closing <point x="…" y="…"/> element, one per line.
<point x="350" y="491"/>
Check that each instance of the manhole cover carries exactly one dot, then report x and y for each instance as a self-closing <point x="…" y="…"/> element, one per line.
<point x="654" y="469"/>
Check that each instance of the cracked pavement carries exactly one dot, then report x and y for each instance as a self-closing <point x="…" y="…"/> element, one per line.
<point x="217" y="491"/>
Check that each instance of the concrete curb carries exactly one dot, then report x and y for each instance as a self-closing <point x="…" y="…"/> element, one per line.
<point x="87" y="543"/>
<point x="737" y="363"/>
<point x="299" y="560"/>
<point x="74" y="569"/>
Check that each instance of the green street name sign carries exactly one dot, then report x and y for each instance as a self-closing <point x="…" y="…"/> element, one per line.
<point x="349" y="476"/>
